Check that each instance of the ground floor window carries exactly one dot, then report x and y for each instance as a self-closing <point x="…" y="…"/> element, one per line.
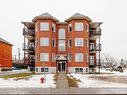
<point x="44" y="69"/>
<point x="36" y="69"/>
<point x="78" y="70"/>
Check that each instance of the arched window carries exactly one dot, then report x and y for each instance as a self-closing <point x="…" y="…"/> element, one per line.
<point x="61" y="34"/>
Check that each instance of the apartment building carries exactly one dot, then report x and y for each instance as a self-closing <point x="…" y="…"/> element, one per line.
<point x="52" y="46"/>
<point x="5" y="55"/>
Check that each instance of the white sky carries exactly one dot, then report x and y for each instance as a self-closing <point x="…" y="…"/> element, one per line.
<point x="113" y="14"/>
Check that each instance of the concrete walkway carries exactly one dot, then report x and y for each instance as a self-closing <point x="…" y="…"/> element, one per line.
<point x="62" y="81"/>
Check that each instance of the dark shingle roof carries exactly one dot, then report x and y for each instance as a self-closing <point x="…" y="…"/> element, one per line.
<point x="78" y="16"/>
<point x="4" y="41"/>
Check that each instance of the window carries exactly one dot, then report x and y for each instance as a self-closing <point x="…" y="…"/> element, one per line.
<point x="36" y="27"/>
<point x="44" y="26"/>
<point x="69" y="42"/>
<point x="61" y="44"/>
<point x="44" y="69"/>
<point x="92" y="46"/>
<point x="61" y="34"/>
<point x="87" y="28"/>
<point x="87" y="58"/>
<point x="53" y="42"/>
<point x="79" y="57"/>
<point x="36" y="69"/>
<point x="36" y="43"/>
<point x="70" y="57"/>
<point x="44" y="57"/>
<point x="87" y="43"/>
<point x="91" y="60"/>
<point x="44" y="42"/>
<point x="86" y="69"/>
<point x="79" y="26"/>
<point x="53" y="27"/>
<point x="69" y="27"/>
<point x="36" y="57"/>
<point x="53" y="57"/>
<point x="79" y="42"/>
<point x="78" y="70"/>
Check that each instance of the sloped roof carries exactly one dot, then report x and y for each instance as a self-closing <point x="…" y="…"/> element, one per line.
<point x="45" y="16"/>
<point x="29" y="24"/>
<point x="78" y="16"/>
<point x="6" y="42"/>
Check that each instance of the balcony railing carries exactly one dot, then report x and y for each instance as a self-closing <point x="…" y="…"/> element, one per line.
<point x="97" y="48"/>
<point x="95" y="32"/>
<point x="28" y="47"/>
<point x="29" y="32"/>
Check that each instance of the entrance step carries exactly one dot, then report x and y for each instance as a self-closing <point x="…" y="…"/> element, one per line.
<point x="62" y="81"/>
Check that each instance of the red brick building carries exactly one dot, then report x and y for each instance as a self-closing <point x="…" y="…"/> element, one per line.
<point x="52" y="46"/>
<point x="5" y="55"/>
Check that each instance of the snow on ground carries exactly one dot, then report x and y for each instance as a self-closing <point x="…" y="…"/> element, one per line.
<point x="87" y="82"/>
<point x="34" y="81"/>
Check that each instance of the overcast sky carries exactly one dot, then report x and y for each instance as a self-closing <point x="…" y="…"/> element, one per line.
<point x="113" y="14"/>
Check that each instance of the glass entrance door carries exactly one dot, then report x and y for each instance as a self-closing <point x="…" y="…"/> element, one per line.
<point x="61" y="66"/>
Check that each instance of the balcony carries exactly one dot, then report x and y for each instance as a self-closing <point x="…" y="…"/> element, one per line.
<point x="95" y="49"/>
<point x="30" y="48"/>
<point x="94" y="34"/>
<point x="29" y="33"/>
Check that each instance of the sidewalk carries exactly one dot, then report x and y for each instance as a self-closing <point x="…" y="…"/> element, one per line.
<point x="62" y="81"/>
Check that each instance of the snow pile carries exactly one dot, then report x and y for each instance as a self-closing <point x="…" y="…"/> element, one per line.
<point x="34" y="81"/>
<point x="87" y="82"/>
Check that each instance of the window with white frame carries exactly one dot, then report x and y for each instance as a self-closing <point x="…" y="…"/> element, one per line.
<point x="79" y="41"/>
<point x="36" y="43"/>
<point x="69" y="42"/>
<point x="87" y="57"/>
<point x="79" y="57"/>
<point x="61" y="45"/>
<point x="78" y="26"/>
<point x="44" y="57"/>
<point x="44" y="26"/>
<point x="78" y="70"/>
<point x="91" y="60"/>
<point x="36" y="26"/>
<point x="36" y="57"/>
<point x="53" y="27"/>
<point x="61" y="34"/>
<point x="87" y="43"/>
<point x="44" y="41"/>
<point x="53" y="57"/>
<point x="53" y="42"/>
<point x="87" y="28"/>
<point x="70" y="57"/>
<point x="69" y="27"/>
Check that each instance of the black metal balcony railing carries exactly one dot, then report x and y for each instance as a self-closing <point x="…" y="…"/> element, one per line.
<point x="97" y="48"/>
<point x="28" y="47"/>
<point x="95" y="32"/>
<point x="29" y="32"/>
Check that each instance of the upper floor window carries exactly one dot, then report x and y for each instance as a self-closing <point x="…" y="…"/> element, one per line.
<point x="87" y="57"/>
<point x="61" y="34"/>
<point x="36" y="57"/>
<point x="36" y="43"/>
<point x="61" y="45"/>
<point x="87" y="28"/>
<point x="78" y="26"/>
<point x="53" y="27"/>
<point x="79" y="57"/>
<point x="69" y="27"/>
<point x="44" y="57"/>
<point x="79" y="42"/>
<point x="70" y="57"/>
<point x="87" y="43"/>
<point x="69" y="42"/>
<point x="44" y="41"/>
<point x="44" y="26"/>
<point x="36" y="27"/>
<point x="53" y="42"/>
<point x="53" y="57"/>
<point x="91" y="60"/>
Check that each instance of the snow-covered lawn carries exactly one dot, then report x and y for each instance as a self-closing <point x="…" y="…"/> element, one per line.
<point x="34" y="81"/>
<point x="93" y="80"/>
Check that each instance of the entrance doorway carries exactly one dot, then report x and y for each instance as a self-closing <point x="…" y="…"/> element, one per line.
<point x="61" y="66"/>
